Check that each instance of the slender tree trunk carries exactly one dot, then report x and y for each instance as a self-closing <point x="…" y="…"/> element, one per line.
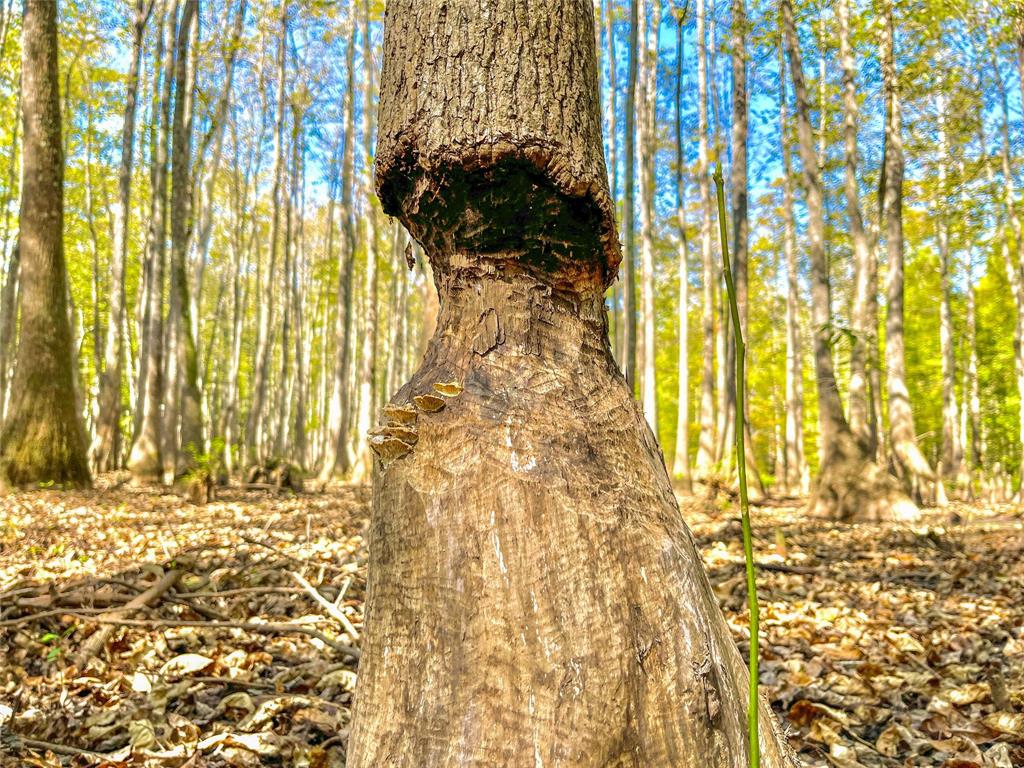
<point x="188" y="398"/>
<point x="976" y="457"/>
<point x="526" y="664"/>
<point x="681" y="465"/>
<point x="797" y="474"/>
<point x="336" y="451"/>
<point x="952" y="463"/>
<point x="1014" y="265"/>
<point x="849" y="485"/>
<point x="706" y="443"/>
<point x="146" y="459"/>
<point x="42" y="439"/>
<point x="910" y="461"/>
<point x="862" y="420"/>
<point x="629" y="358"/>
<point x="648" y="150"/>
<point x="106" y="444"/>
<point x="256" y="430"/>
<point x="612" y="138"/>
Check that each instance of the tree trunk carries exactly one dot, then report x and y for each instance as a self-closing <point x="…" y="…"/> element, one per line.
<point x="706" y="442"/>
<point x="190" y="436"/>
<point x="796" y="476"/>
<point x="910" y="461"/>
<point x="628" y="205"/>
<point x="42" y="440"/>
<point x="952" y="462"/>
<point x="865" y="344"/>
<point x="850" y="486"/>
<point x="106" y="444"/>
<point x="534" y="595"/>
<point x="146" y="458"/>
<point x="261" y="368"/>
<point x="612" y="137"/>
<point x="648" y="150"/>
<point x="681" y="465"/>
<point x="336" y="451"/>
<point x="1014" y="265"/>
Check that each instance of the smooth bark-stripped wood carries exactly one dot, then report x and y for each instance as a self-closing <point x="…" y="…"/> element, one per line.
<point x="43" y="438"/>
<point x="850" y="485"/>
<point x="534" y="596"/>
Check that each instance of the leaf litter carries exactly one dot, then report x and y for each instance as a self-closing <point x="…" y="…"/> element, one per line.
<point x="883" y="645"/>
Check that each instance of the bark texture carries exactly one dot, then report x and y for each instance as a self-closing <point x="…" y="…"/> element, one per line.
<point x="43" y="439"/>
<point x="535" y="597"/>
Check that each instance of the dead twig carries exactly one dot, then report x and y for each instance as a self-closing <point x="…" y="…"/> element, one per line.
<point x="95" y="643"/>
<point x="334" y="611"/>
<point x="266" y="629"/>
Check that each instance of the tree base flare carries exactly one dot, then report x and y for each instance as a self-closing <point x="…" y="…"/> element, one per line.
<point x="535" y="597"/>
<point x="39" y="449"/>
<point x="853" y="488"/>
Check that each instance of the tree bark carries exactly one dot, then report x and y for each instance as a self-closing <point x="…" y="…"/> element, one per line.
<point x="681" y="464"/>
<point x="850" y="486"/>
<point x="706" y="441"/>
<point x="925" y="485"/>
<point x="43" y="439"/>
<point x="534" y="595"/>
<point x="648" y="150"/>
<point x="796" y="476"/>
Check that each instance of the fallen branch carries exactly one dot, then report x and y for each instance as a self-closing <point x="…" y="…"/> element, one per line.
<point x="266" y="629"/>
<point x="95" y="643"/>
<point x="334" y="611"/>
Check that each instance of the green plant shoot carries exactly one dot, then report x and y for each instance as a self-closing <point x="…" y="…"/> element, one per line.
<point x="741" y="472"/>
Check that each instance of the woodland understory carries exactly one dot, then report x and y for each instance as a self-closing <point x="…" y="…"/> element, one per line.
<point x="882" y="644"/>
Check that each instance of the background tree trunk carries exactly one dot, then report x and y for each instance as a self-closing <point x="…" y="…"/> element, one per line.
<point x="486" y="518"/>
<point x="910" y="461"/>
<point x="648" y="150"/>
<point x="797" y="474"/>
<point x="706" y="442"/>
<point x="42" y="439"/>
<point x="681" y="464"/>
<point x="849" y="484"/>
<point x="628" y="200"/>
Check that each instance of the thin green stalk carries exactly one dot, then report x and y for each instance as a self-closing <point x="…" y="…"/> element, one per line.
<point x="741" y="471"/>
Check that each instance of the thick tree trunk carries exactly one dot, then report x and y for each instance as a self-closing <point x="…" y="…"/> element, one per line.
<point x="681" y="464"/>
<point x="796" y="477"/>
<point x="911" y="463"/>
<point x="862" y="356"/>
<point x="534" y="596"/>
<point x="850" y="486"/>
<point x="706" y="440"/>
<point x="42" y="439"/>
<point x="106" y="444"/>
<point x="146" y="458"/>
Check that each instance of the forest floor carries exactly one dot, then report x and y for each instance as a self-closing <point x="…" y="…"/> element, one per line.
<point x="884" y="645"/>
